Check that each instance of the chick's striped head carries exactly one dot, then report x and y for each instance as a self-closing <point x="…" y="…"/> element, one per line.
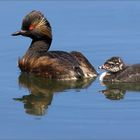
<point x="114" y="64"/>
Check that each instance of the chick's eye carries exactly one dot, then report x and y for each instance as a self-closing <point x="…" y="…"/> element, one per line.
<point x="111" y="65"/>
<point x="31" y="27"/>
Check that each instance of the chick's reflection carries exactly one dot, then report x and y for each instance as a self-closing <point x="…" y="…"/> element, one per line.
<point x="116" y="91"/>
<point x="114" y="94"/>
<point x="41" y="91"/>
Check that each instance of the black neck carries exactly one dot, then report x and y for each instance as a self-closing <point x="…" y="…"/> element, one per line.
<point x="38" y="47"/>
<point x="41" y="44"/>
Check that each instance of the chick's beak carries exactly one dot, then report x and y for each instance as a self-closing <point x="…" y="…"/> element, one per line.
<point x="21" y="32"/>
<point x="101" y="67"/>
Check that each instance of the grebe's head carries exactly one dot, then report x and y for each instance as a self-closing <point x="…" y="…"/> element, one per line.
<point x="114" y="64"/>
<point x="35" y="26"/>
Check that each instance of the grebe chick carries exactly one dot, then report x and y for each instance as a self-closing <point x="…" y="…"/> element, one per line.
<point x="50" y="64"/>
<point x="118" y="71"/>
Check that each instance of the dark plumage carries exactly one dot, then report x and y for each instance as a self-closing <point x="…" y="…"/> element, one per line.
<point x="50" y="64"/>
<point x="118" y="71"/>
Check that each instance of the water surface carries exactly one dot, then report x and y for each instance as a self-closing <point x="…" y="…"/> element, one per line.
<point x="35" y="108"/>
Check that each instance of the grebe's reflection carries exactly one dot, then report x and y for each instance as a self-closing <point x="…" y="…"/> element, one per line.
<point x="116" y="91"/>
<point x="41" y="91"/>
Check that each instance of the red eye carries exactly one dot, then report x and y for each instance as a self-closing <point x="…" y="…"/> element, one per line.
<point x="31" y="27"/>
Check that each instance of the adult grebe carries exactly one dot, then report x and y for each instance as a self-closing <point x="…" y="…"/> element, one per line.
<point x="51" y="64"/>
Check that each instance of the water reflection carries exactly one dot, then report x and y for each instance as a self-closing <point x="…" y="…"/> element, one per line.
<point x="41" y="91"/>
<point x="116" y="91"/>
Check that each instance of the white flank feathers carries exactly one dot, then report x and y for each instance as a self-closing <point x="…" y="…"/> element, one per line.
<point x="102" y="76"/>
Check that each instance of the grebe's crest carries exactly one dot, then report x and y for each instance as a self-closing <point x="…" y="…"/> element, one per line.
<point x="35" y="21"/>
<point x="114" y="64"/>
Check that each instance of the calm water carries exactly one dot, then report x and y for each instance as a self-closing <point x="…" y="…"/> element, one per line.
<point x="33" y="108"/>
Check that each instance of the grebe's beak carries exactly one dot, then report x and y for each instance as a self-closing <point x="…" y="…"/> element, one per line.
<point x="21" y="32"/>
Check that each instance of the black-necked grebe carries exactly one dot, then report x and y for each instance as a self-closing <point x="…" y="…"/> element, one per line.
<point x="51" y="64"/>
<point x="118" y="71"/>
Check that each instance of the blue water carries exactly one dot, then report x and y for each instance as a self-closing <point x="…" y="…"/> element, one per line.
<point x="70" y="111"/>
